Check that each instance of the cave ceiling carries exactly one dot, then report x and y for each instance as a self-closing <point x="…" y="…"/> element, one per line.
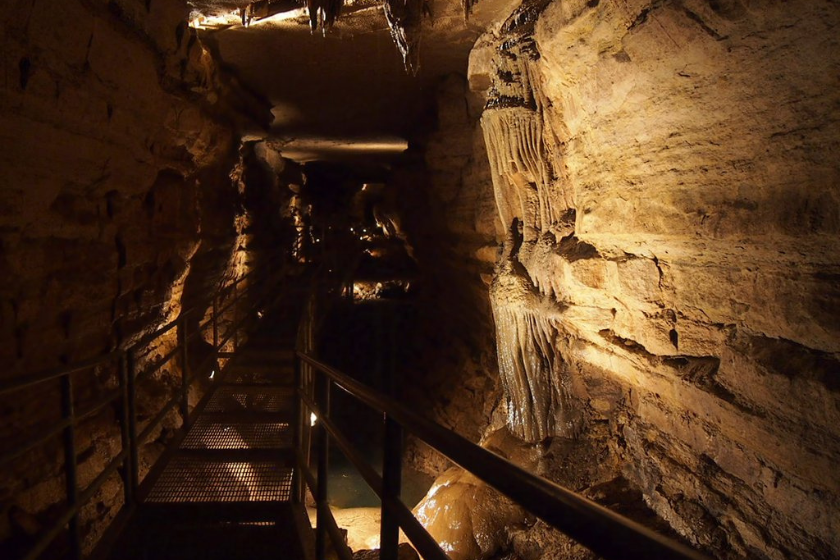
<point x="348" y="84"/>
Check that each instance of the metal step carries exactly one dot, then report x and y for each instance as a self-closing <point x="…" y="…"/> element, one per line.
<point x="189" y="479"/>
<point x="230" y="398"/>
<point x="214" y="532"/>
<point x="218" y="434"/>
<point x="250" y="376"/>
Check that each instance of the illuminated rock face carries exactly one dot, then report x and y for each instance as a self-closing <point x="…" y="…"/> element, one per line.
<point x="666" y="178"/>
<point x="114" y="183"/>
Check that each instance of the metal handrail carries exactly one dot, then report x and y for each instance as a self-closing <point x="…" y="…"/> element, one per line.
<point x="601" y="530"/>
<point x="23" y="381"/>
<point x="127" y="458"/>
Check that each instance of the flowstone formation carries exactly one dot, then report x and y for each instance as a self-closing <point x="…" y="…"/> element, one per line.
<point x="534" y="375"/>
<point x="666" y="176"/>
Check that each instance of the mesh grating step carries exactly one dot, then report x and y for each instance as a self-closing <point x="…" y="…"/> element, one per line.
<point x="257" y="377"/>
<point x="211" y="434"/>
<point x="256" y="399"/>
<point x="186" y="480"/>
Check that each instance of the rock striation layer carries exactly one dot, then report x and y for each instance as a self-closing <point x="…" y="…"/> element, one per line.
<point x="666" y="179"/>
<point x="117" y="212"/>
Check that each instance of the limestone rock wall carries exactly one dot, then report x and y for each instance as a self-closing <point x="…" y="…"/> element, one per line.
<point x="666" y="178"/>
<point x="116" y="208"/>
<point x="455" y="233"/>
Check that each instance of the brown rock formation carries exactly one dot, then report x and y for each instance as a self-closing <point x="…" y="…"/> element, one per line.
<point x="626" y="216"/>
<point x="668" y="172"/>
<point x="117" y="212"/>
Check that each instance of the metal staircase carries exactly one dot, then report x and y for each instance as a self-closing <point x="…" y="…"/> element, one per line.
<point x="232" y="481"/>
<point x="224" y="488"/>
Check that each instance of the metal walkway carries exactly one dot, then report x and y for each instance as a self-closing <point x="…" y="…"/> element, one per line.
<point x="223" y="490"/>
<point x="231" y="484"/>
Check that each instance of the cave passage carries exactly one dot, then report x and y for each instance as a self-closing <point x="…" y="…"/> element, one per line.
<point x="565" y="274"/>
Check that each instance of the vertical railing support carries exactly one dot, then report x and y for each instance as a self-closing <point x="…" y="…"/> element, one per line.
<point x="389" y="537"/>
<point x="128" y="490"/>
<point x="185" y="371"/>
<point x="216" y="322"/>
<point x="131" y="375"/>
<point x="297" y="476"/>
<point x="70" y="467"/>
<point x="323" y="468"/>
<point x="236" y="316"/>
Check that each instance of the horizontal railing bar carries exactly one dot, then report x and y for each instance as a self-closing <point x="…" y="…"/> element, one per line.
<point x="147" y="373"/>
<point x="158" y="418"/>
<point x="417" y="534"/>
<point x="161" y="331"/>
<point x="150" y="337"/>
<point x="34" y="441"/>
<point x="227" y="338"/>
<point x="14" y="384"/>
<point x="71" y="511"/>
<point x="21" y="382"/>
<point x="339" y="546"/>
<point x="368" y="473"/>
<point x="207" y="323"/>
<point x="224" y="308"/>
<point x="307" y="473"/>
<point x="50" y="535"/>
<point x="98" y="405"/>
<point x="425" y="544"/>
<point x="601" y="530"/>
<point x="166" y="328"/>
<point x="97" y="483"/>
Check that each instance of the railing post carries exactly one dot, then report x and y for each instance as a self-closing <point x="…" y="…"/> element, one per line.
<point x="216" y="322"/>
<point x="297" y="481"/>
<point x="393" y="446"/>
<point x="127" y="477"/>
<point x="185" y="371"/>
<point x="132" y="422"/>
<point x="235" y="316"/>
<point x="389" y="537"/>
<point x="323" y="472"/>
<point x="70" y="467"/>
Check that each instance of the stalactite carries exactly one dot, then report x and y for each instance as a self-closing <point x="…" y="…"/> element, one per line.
<point x="323" y="13"/>
<point x="404" y="20"/>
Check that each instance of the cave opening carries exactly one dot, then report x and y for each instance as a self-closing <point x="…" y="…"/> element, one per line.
<point x="598" y="240"/>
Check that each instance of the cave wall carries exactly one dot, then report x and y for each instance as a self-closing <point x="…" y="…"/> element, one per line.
<point x="447" y="210"/>
<point x="114" y="187"/>
<point x="665" y="178"/>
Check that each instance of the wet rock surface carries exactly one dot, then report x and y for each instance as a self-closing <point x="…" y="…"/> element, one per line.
<point x="656" y="172"/>
<point x="628" y="226"/>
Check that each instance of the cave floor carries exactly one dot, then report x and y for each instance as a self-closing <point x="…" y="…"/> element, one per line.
<point x="223" y="489"/>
